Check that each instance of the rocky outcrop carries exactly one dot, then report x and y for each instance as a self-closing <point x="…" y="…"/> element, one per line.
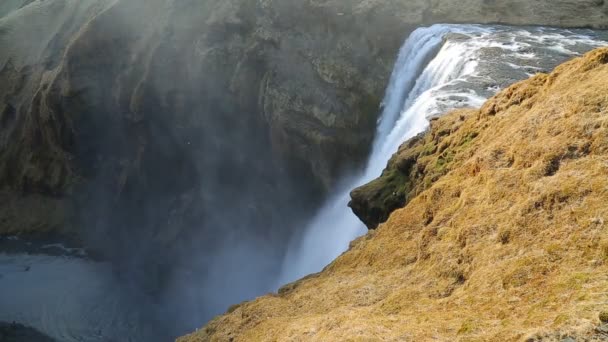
<point x="417" y="165"/>
<point x="509" y="244"/>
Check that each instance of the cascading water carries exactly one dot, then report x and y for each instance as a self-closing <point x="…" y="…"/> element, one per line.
<point x="468" y="63"/>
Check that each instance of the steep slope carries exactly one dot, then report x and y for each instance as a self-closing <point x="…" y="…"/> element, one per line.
<point x="505" y="239"/>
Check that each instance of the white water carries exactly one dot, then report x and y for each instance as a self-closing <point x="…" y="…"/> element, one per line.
<point x="454" y="78"/>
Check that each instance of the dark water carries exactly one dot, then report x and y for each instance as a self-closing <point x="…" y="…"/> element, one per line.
<point x="69" y="297"/>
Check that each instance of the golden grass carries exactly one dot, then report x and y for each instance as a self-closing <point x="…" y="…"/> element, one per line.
<point x="510" y="244"/>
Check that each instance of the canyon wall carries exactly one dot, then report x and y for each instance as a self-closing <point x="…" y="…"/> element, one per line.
<point x="98" y="96"/>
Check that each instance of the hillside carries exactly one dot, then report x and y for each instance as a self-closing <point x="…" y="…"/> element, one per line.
<point x="502" y="236"/>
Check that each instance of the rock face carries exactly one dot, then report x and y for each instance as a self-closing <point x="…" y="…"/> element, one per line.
<point x="510" y="244"/>
<point x="35" y="166"/>
<point x="102" y="96"/>
<point x="418" y="164"/>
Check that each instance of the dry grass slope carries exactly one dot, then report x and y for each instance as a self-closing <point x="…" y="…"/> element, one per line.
<point x="510" y="244"/>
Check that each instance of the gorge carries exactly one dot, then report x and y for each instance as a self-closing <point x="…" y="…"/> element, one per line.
<point x="163" y="160"/>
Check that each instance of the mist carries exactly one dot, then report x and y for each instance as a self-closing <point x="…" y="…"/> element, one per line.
<point x="183" y="189"/>
<point x="189" y="201"/>
<point x="196" y="183"/>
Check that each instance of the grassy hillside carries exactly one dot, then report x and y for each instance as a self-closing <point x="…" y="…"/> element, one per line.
<point x="506" y="240"/>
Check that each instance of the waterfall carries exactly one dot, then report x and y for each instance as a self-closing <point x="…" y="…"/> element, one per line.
<point x="439" y="68"/>
<point x="331" y="230"/>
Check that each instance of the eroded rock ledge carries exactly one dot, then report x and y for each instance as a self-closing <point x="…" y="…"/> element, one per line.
<point x="418" y="164"/>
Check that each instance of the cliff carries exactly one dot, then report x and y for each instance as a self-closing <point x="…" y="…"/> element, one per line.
<point x="502" y="235"/>
<point x="98" y="96"/>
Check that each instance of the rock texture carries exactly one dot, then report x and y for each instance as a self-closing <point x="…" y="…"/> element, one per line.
<point x="505" y="240"/>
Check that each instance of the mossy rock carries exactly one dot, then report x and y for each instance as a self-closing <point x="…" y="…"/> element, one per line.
<point x="417" y="165"/>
